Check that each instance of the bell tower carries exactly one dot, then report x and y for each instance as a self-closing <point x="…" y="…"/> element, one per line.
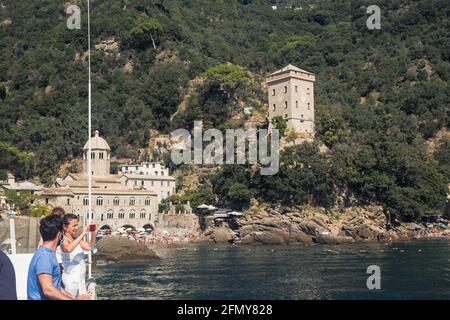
<point x="100" y="156"/>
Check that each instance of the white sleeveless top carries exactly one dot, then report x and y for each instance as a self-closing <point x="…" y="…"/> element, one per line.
<point x="73" y="262"/>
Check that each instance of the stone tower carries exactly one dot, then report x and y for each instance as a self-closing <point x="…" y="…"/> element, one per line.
<point x="291" y="96"/>
<point x="100" y="156"/>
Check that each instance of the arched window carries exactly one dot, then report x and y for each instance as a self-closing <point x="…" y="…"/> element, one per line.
<point x="121" y="214"/>
<point x="86" y="201"/>
<point x="116" y="201"/>
<point x="147" y="201"/>
<point x="132" y="201"/>
<point x="110" y="214"/>
<point x="143" y="214"/>
<point x="132" y="215"/>
<point x="99" y="201"/>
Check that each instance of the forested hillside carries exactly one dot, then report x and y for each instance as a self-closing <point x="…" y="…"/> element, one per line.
<point x="380" y="94"/>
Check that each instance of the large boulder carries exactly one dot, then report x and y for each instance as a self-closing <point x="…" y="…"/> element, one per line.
<point x="299" y="237"/>
<point x="266" y="237"/>
<point x="312" y="227"/>
<point x="332" y="239"/>
<point x="121" y="250"/>
<point x="221" y="235"/>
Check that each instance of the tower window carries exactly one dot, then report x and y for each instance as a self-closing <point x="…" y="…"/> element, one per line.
<point x="273" y="92"/>
<point x="285" y="89"/>
<point x="274" y="107"/>
<point x="100" y="155"/>
<point x="296" y="104"/>
<point x="285" y="104"/>
<point x="296" y="88"/>
<point x="309" y="106"/>
<point x="92" y="155"/>
<point x="307" y="92"/>
<point x="286" y="115"/>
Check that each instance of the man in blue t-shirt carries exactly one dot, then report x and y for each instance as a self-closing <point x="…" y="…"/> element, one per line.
<point x="44" y="276"/>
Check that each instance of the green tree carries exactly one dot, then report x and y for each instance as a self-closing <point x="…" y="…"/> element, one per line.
<point x="11" y="158"/>
<point x="40" y="210"/>
<point x="240" y="194"/>
<point x="332" y="129"/>
<point x="2" y="91"/>
<point x="146" y="31"/>
<point x="280" y="123"/>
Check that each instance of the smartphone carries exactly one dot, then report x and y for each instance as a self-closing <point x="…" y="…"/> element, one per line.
<point x="92" y="227"/>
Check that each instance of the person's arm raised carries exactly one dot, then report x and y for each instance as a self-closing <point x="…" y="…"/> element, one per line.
<point x="69" y="247"/>
<point x="87" y="246"/>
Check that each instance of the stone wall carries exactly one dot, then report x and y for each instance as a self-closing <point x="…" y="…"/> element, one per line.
<point x="27" y="234"/>
<point x="178" y="223"/>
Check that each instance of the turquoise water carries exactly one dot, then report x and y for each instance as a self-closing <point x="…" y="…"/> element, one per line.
<point x="409" y="270"/>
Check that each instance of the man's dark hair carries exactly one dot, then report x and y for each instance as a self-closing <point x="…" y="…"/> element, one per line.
<point x="69" y="217"/>
<point x="50" y="226"/>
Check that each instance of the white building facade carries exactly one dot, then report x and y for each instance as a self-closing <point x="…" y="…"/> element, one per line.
<point x="115" y="202"/>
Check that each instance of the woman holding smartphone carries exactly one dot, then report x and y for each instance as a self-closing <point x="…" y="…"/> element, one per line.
<point x="74" y="267"/>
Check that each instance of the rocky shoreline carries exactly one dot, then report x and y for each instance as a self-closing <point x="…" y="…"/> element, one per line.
<point x="113" y="249"/>
<point x="312" y="225"/>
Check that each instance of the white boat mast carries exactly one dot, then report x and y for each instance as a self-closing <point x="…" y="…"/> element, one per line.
<point x="89" y="213"/>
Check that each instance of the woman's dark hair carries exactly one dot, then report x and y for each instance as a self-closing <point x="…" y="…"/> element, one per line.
<point x="50" y="226"/>
<point x="69" y="217"/>
<point x="59" y="211"/>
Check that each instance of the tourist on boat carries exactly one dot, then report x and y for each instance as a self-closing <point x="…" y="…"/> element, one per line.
<point x="60" y="213"/>
<point x="74" y="267"/>
<point x="7" y="278"/>
<point x="44" y="276"/>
